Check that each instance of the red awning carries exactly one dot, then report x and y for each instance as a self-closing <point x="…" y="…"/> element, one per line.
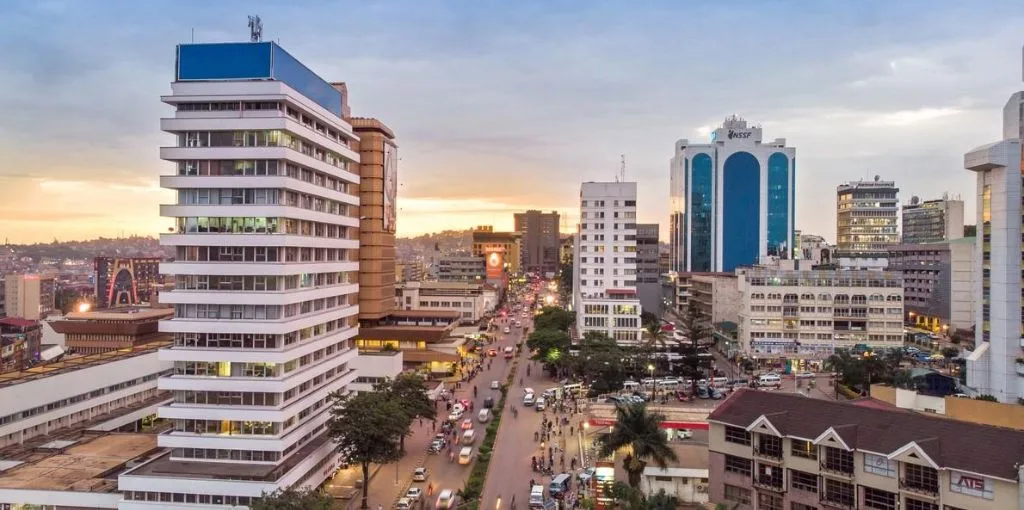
<point x="693" y="425"/>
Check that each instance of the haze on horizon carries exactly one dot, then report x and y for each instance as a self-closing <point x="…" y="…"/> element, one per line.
<point x="503" y="107"/>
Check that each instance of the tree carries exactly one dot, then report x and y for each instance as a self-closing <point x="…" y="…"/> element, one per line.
<point x="986" y="398"/>
<point x="367" y="428"/>
<point x="553" y="317"/>
<point x="410" y="391"/>
<point x="565" y="279"/>
<point x="694" y="329"/>
<point x="292" y="499"/>
<point x="546" y="341"/>
<point x="639" y="431"/>
<point x="950" y="352"/>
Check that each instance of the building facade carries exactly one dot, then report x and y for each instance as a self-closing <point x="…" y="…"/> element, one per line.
<point x="717" y="297"/>
<point x="774" y="450"/>
<point x="866" y="218"/>
<point x="648" y="268"/>
<point x="605" y="267"/>
<point x="126" y="281"/>
<point x="540" y="241"/>
<point x="933" y="220"/>
<point x="97" y="331"/>
<point x="470" y="300"/>
<point x="266" y="240"/>
<point x="992" y="368"/>
<point x="938" y="283"/>
<point x="501" y="250"/>
<point x="20" y="341"/>
<point x="796" y="318"/>
<point x="732" y="200"/>
<point x="465" y="268"/>
<point x="29" y="296"/>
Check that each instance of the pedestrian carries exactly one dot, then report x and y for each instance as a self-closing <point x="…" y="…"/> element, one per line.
<point x="570" y="430"/>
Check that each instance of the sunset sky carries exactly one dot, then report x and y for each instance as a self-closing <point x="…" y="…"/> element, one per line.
<point x="504" y="106"/>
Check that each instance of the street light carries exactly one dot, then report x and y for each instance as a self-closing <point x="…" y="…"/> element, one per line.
<point x="654" y="384"/>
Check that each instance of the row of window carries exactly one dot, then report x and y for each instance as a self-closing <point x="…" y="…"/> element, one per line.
<point x="260" y="168"/>
<point x="81" y="397"/>
<point x="256" y="225"/>
<point x="261" y="196"/>
<point x="259" y="312"/>
<point x="257" y="369"/>
<point x="295" y="114"/>
<point x="600" y="203"/>
<point x="259" y="254"/>
<point x="262" y="138"/>
<point x="258" y="341"/>
<point x="838" y="298"/>
<point x="260" y="283"/>
<point x="825" y="279"/>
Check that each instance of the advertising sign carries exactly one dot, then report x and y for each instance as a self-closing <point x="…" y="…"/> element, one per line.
<point x="390" y="187"/>
<point x="495" y="263"/>
<point x="970" y="485"/>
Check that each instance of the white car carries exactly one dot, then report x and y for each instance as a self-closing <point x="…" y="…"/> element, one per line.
<point x="419" y="475"/>
<point x="805" y="375"/>
<point x="684" y="433"/>
<point x="507" y="330"/>
<point x="495" y="385"/>
<point x="414" y="494"/>
<point x="446" y="499"/>
<point x="455" y="415"/>
<point x="404" y="504"/>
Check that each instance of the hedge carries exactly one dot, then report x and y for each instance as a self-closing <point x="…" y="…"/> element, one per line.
<point x="474" y="487"/>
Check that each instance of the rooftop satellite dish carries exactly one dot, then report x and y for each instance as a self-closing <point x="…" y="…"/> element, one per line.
<point x="914" y="200"/>
<point x="878" y="178"/>
<point x="255" y="29"/>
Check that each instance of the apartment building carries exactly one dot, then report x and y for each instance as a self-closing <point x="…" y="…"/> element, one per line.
<point x="29" y="296"/>
<point x="540" y="241"/>
<point x="938" y="283"/>
<point x="465" y="268"/>
<point x="799" y="317"/>
<point x="20" y="342"/>
<point x="648" y="267"/>
<point x="605" y="268"/>
<point x="932" y="221"/>
<point x="783" y="451"/>
<point x="470" y="300"/>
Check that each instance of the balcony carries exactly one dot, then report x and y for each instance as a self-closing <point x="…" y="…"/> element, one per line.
<point x="772" y="483"/>
<point x="836" y="503"/>
<point x="921" y="489"/>
<point x="837" y="469"/>
<point x="768" y="453"/>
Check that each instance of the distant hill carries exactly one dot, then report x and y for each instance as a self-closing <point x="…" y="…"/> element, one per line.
<point x="448" y="241"/>
<point x="135" y="246"/>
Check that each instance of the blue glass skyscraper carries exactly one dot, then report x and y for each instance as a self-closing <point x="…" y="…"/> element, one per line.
<point x="732" y="199"/>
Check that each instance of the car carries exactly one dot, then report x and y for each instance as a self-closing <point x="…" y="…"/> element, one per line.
<point x="684" y="434"/>
<point x="458" y="407"/>
<point x="540" y="404"/>
<point x="404" y="504"/>
<point x="455" y="415"/>
<point x="492" y="352"/>
<point x="495" y="385"/>
<point x="446" y="499"/>
<point x="716" y="394"/>
<point x="464" y="403"/>
<point x="465" y="455"/>
<point x="414" y="493"/>
<point x="435" y="446"/>
<point x="805" y="375"/>
<point x="419" y="474"/>
<point x="585" y="475"/>
<point x="508" y="330"/>
<point x="467" y="424"/>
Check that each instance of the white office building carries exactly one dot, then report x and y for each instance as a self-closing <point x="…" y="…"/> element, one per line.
<point x="604" y="283"/>
<point x="732" y="199"/>
<point x="993" y="367"/>
<point x="266" y="305"/>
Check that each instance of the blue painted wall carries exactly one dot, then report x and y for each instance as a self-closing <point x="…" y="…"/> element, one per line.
<point x="778" y="202"/>
<point x="740" y="210"/>
<point x="701" y="213"/>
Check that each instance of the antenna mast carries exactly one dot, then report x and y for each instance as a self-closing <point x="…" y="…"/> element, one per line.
<point x="255" y="29"/>
<point x="622" y="169"/>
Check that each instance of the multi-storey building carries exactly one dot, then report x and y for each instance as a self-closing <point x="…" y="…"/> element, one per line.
<point x="933" y="220"/>
<point x="540" y="241"/>
<point x="19" y="342"/>
<point x="799" y="317"/>
<point x="29" y="296"/>
<point x="566" y="248"/>
<point x="127" y="281"/>
<point x="266" y="305"/>
<point x="782" y="451"/>
<point x="470" y="300"/>
<point x="716" y="296"/>
<point x="501" y="247"/>
<point x="938" y="283"/>
<point x="605" y="267"/>
<point x="866" y="222"/>
<point x="993" y="367"/>
<point x="648" y="268"/>
<point x="732" y="199"/>
<point x="465" y="268"/>
<point x="97" y="331"/>
<point x="410" y="271"/>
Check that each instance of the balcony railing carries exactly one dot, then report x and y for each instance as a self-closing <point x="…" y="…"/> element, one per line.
<point x="835" y="503"/>
<point x="773" y="483"/>
<point x="834" y="468"/>
<point x="768" y="453"/>
<point x="923" y="489"/>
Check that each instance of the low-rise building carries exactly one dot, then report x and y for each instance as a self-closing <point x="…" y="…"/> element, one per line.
<point x="425" y="338"/>
<point x="464" y="268"/>
<point x="787" y="451"/>
<point x="98" y="331"/>
<point x="795" y="318"/>
<point x="410" y="271"/>
<point x="20" y="342"/>
<point x="375" y="366"/>
<point x="938" y="283"/>
<point x="686" y="479"/>
<point x="117" y="388"/>
<point x="470" y="300"/>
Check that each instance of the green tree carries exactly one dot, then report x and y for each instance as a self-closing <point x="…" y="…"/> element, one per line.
<point x="410" y="391"/>
<point x="547" y="341"/>
<point x="367" y="428"/>
<point x="950" y="352"/>
<point x="565" y="279"/>
<point x="553" y="317"/>
<point x="637" y="430"/>
<point x="599" y="363"/>
<point x="292" y="499"/>
<point x="661" y="501"/>
<point x="986" y="398"/>
<point x="694" y="329"/>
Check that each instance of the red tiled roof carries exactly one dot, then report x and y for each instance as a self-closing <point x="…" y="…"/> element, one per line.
<point x="18" y="322"/>
<point x="952" y="444"/>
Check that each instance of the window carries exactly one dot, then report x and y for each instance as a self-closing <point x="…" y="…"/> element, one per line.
<point x="877" y="498"/>
<point x="801" y="506"/>
<point x="838" y="460"/>
<point x="879" y="465"/>
<point x="838" y="492"/>
<point x="916" y="504"/>
<point x="805" y="449"/>
<point x="766" y="501"/>
<point x="737" y="465"/>
<point x="737" y="435"/>
<point x="737" y="494"/>
<point x="801" y="480"/>
<point x="769" y="446"/>
<point x="920" y="478"/>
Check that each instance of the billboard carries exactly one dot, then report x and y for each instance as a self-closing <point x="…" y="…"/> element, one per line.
<point x="495" y="263"/>
<point x="390" y="187"/>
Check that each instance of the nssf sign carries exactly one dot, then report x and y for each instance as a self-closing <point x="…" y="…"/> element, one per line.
<point x="739" y="134"/>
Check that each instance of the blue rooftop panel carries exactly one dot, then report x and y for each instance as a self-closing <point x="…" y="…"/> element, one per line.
<point x="254" y="61"/>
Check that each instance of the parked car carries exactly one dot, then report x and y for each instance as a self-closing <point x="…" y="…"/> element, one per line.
<point x="495" y="385"/>
<point x="404" y="504"/>
<point x="414" y="494"/>
<point x="585" y="475"/>
<point x="419" y="474"/>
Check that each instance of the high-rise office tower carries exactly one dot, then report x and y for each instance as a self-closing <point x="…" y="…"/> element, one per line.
<point x="992" y="368"/>
<point x="932" y="220"/>
<point x="648" y="267"/>
<point x="265" y="235"/>
<point x="866" y="218"/>
<point x="732" y="199"/>
<point x="540" y="242"/>
<point x="605" y="268"/>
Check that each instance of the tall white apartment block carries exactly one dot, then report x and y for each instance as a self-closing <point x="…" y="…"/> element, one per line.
<point x="266" y="305"/>
<point x="993" y="367"/>
<point x="605" y="269"/>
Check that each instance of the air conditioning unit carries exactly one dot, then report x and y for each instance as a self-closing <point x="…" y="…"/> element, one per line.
<point x="702" y="488"/>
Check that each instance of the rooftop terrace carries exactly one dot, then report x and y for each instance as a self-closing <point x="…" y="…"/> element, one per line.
<point x="68" y="364"/>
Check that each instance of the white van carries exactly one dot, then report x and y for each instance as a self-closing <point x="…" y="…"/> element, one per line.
<point x="718" y="382"/>
<point x="468" y="437"/>
<point x="667" y="384"/>
<point x="631" y="385"/>
<point x="528" y="400"/>
<point x="537" y="496"/>
<point x="484" y="415"/>
<point x="769" y="380"/>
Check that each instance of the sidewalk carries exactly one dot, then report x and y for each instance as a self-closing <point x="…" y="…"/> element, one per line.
<point x="383" y="487"/>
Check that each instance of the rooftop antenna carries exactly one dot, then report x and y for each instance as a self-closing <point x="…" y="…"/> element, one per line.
<point x="622" y="169"/>
<point x="255" y="29"/>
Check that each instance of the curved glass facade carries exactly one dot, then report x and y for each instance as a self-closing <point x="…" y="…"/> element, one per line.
<point x="741" y="193"/>
<point x="701" y="234"/>
<point x="778" y="203"/>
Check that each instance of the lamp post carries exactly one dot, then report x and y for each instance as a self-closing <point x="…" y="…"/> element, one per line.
<point x="654" y="384"/>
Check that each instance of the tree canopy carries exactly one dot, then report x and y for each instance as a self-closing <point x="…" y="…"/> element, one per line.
<point x="410" y="391"/>
<point x="292" y="499"/>
<point x="553" y="317"/>
<point x="368" y="428"/>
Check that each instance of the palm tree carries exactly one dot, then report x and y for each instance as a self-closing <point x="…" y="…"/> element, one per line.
<point x="638" y="430"/>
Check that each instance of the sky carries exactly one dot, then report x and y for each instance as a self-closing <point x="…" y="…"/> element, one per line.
<point x="505" y="106"/>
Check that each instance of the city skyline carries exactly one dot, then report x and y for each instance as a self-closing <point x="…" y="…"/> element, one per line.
<point x="549" y="95"/>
